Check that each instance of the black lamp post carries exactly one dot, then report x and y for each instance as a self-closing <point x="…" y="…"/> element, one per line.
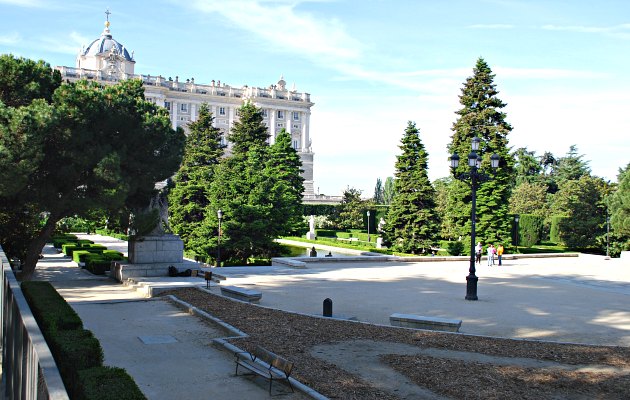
<point x="220" y="216"/>
<point x="368" y="221"/>
<point x="516" y="219"/>
<point x="475" y="176"/>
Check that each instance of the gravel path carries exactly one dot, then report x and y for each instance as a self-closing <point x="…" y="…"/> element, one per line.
<point x="439" y="364"/>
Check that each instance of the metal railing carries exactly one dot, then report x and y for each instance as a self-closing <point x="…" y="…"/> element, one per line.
<point x="29" y="371"/>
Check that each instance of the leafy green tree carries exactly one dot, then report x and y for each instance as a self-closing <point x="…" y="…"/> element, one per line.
<point x="529" y="198"/>
<point x="581" y="201"/>
<point x="620" y="204"/>
<point x="442" y="188"/>
<point x="99" y="148"/>
<point x="23" y="80"/>
<point x="412" y="222"/>
<point x="349" y="213"/>
<point x="188" y="198"/>
<point x="379" y="197"/>
<point x="388" y="190"/>
<point x="481" y="117"/>
<point x="571" y="167"/>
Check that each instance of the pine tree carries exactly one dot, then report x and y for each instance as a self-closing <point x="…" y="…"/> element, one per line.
<point x="287" y="184"/>
<point x="572" y="166"/>
<point x="388" y="190"/>
<point x="481" y="117"/>
<point x="188" y="199"/>
<point x="412" y="223"/>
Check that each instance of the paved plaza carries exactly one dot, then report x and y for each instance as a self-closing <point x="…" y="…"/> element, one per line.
<point x="570" y="299"/>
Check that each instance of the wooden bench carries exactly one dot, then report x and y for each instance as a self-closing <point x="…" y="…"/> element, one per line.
<point x="239" y="293"/>
<point x="272" y="366"/>
<point x="422" y="322"/>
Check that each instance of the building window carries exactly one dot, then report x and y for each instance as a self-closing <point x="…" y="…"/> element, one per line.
<point x="295" y="144"/>
<point x="167" y="105"/>
<point x="296" y="126"/>
<point x="280" y="114"/>
<point x="221" y="110"/>
<point x="184" y="107"/>
<point x="296" y="116"/>
<point x="264" y="113"/>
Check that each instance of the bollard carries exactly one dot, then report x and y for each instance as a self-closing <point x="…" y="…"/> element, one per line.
<point x="208" y="276"/>
<point x="327" y="308"/>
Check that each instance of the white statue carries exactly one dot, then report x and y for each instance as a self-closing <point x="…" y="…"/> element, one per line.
<point x="311" y="224"/>
<point x="381" y="224"/>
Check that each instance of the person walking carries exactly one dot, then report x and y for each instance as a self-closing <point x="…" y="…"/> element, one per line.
<point x="478" y="250"/>
<point x="499" y="253"/>
<point x="491" y="255"/>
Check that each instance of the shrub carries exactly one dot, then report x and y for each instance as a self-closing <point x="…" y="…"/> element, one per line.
<point x="107" y="383"/>
<point x="455" y="248"/>
<point x="50" y="309"/>
<point x="75" y="350"/>
<point x="555" y="233"/>
<point x="529" y="230"/>
<point x="98" y="265"/>
<point x="79" y="256"/>
<point x="325" y="233"/>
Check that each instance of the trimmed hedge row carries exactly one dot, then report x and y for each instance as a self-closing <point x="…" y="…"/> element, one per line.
<point x="77" y="352"/>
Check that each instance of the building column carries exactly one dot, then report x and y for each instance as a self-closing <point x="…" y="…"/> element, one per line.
<point x="193" y="112"/>
<point x="272" y="125"/>
<point x="174" y="114"/>
<point x="306" y="117"/>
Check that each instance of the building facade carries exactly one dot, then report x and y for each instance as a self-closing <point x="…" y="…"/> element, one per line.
<point x="107" y="61"/>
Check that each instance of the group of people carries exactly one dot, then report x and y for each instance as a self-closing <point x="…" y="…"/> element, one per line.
<point x="493" y="252"/>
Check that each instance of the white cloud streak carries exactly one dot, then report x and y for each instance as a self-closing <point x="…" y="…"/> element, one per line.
<point x="491" y="26"/>
<point x="25" y="3"/>
<point x="10" y="39"/>
<point x="621" y="31"/>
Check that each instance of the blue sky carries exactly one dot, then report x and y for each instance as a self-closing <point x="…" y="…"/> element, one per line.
<point x="372" y="65"/>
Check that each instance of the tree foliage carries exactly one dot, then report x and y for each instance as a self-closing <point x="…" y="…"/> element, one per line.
<point x="349" y="213"/>
<point x="188" y="198"/>
<point x="388" y="190"/>
<point x="529" y="198"/>
<point x="571" y="167"/>
<point x="581" y="201"/>
<point x="379" y="197"/>
<point x="620" y="203"/>
<point x="258" y="188"/>
<point x="481" y="117"/>
<point x="412" y="223"/>
<point x="95" y="148"/>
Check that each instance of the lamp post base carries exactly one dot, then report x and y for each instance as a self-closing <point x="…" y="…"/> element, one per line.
<point x="471" y="287"/>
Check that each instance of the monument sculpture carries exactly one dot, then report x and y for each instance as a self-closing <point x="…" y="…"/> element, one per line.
<point x="152" y="249"/>
<point x="310" y="235"/>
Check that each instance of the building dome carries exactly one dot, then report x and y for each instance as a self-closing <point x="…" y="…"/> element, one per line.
<point x="105" y="44"/>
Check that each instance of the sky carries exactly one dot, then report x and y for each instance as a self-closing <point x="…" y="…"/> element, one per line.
<point x="562" y="67"/>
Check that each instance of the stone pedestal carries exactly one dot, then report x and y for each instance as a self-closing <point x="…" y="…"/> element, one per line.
<point x="151" y="256"/>
<point x="156" y="249"/>
<point x="379" y="243"/>
<point x="311" y="236"/>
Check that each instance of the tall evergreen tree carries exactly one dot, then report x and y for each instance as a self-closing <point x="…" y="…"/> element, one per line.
<point x="349" y="213"/>
<point x="188" y="198"/>
<point x="572" y="166"/>
<point x="283" y="171"/>
<point x="481" y="117"/>
<point x="379" y="197"/>
<point x="412" y="223"/>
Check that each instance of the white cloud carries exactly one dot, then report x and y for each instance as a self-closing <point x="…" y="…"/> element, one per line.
<point x="621" y="31"/>
<point x="491" y="26"/>
<point x="278" y="23"/>
<point x="71" y="44"/>
<point x="25" y="3"/>
<point x="10" y="39"/>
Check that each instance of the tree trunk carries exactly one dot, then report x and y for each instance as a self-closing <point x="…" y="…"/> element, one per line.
<point x="35" y="247"/>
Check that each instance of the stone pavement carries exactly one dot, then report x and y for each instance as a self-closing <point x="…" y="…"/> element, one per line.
<point x="167" y="351"/>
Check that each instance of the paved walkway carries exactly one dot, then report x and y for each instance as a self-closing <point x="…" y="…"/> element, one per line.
<point x="582" y="299"/>
<point x="167" y="351"/>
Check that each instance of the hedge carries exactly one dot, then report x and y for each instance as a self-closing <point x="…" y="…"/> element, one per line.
<point x="77" y="353"/>
<point x="530" y="229"/>
<point x="325" y="233"/>
<point x="555" y="233"/>
<point x="50" y="309"/>
<point x="107" y="383"/>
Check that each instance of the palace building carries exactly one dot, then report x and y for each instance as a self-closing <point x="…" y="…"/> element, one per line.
<point x="108" y="61"/>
